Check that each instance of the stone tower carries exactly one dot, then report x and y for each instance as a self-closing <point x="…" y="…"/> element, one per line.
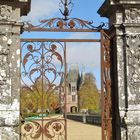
<point x="73" y="81"/>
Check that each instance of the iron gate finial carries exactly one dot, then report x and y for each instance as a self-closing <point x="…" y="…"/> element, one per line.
<point x="66" y="6"/>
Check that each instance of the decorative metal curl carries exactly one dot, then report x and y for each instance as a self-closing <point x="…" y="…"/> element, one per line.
<point x="41" y="62"/>
<point x="59" y="23"/>
<point x="31" y="130"/>
<point x="67" y="8"/>
<point x="66" y="23"/>
<point x="52" y="129"/>
<point x="55" y="128"/>
<point x="42" y="65"/>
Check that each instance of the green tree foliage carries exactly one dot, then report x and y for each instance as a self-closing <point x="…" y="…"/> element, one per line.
<point x="38" y="98"/>
<point x="88" y="94"/>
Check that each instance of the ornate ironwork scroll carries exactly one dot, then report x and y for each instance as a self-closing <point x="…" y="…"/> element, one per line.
<point x="42" y="68"/>
<point x="66" y="7"/>
<point x="51" y="129"/>
<point x="58" y="24"/>
<point x="106" y="88"/>
<point x="65" y="23"/>
<point x="43" y="64"/>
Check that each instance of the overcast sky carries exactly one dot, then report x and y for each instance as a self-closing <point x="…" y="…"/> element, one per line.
<point x="86" y="54"/>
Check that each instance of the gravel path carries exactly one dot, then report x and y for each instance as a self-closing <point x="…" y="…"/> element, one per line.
<point x="80" y="131"/>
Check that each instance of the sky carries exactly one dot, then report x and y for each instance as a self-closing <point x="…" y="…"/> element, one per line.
<point x="86" y="55"/>
<point x="85" y="9"/>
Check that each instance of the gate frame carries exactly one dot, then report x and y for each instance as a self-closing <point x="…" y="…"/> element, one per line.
<point x="70" y="25"/>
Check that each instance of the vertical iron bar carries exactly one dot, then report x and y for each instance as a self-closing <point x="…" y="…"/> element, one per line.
<point x="66" y="2"/>
<point x="20" y="92"/>
<point x="102" y="34"/>
<point x="65" y="88"/>
<point x="102" y="85"/>
<point x="42" y="90"/>
<point x="106" y="88"/>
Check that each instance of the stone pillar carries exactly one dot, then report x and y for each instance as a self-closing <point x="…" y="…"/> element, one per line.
<point x="10" y="29"/>
<point x="124" y="30"/>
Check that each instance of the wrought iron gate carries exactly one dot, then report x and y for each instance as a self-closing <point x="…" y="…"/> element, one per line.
<point x="43" y="66"/>
<point x="106" y="88"/>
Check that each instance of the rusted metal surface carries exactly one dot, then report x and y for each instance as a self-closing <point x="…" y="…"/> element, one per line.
<point x="58" y="40"/>
<point x="43" y="65"/>
<point x="106" y="87"/>
<point x="64" y="24"/>
<point x="69" y="25"/>
<point x="51" y="129"/>
<point x="37" y="57"/>
<point x="65" y="90"/>
<point x="67" y="8"/>
<point x="40" y="29"/>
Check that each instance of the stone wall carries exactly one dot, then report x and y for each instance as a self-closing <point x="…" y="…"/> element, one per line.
<point x="10" y="29"/>
<point x="124" y="22"/>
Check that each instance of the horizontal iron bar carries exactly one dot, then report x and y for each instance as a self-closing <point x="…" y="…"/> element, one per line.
<point x="57" y="40"/>
<point x="60" y="30"/>
<point x="106" y="118"/>
<point x="52" y="119"/>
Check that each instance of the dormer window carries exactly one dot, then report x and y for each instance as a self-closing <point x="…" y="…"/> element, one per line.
<point x="73" y="89"/>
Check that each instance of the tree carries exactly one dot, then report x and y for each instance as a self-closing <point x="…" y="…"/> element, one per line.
<point x="88" y="94"/>
<point x="38" y="98"/>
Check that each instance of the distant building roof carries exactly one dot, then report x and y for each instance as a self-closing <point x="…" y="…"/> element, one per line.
<point x="73" y="73"/>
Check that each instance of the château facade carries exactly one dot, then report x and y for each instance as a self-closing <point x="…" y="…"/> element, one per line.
<point x="73" y="83"/>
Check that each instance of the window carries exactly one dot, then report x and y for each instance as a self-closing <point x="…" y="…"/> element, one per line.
<point x="73" y="89"/>
<point x="73" y="98"/>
